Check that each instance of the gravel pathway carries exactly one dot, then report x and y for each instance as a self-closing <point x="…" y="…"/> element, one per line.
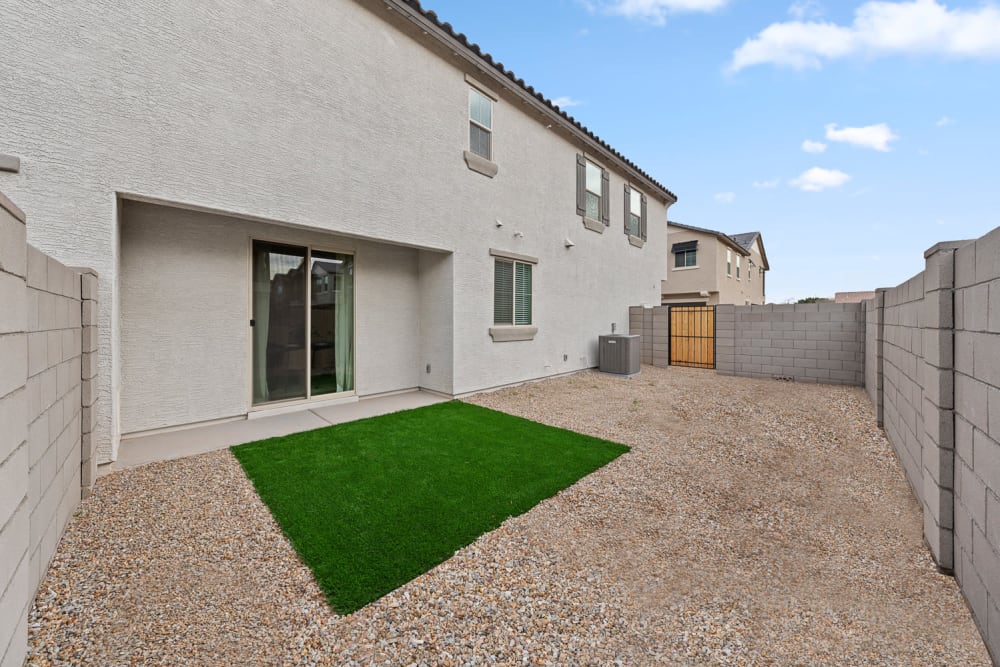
<point x="754" y="522"/>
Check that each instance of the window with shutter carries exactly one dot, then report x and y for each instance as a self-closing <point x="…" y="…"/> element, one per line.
<point x="512" y="296"/>
<point x="593" y="184"/>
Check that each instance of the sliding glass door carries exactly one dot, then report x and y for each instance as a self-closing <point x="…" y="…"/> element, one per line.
<point x="303" y="322"/>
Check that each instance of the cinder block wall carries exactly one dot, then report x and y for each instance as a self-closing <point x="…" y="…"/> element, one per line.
<point x="936" y="387"/>
<point x="874" y="334"/>
<point x="42" y="390"/>
<point x="652" y="324"/>
<point x="977" y="431"/>
<point x="902" y="373"/>
<point x="821" y="342"/>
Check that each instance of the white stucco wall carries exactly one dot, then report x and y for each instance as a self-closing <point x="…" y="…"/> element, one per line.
<point x="185" y="351"/>
<point x="318" y="114"/>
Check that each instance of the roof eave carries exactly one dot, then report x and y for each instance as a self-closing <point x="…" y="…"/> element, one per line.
<point x="471" y="53"/>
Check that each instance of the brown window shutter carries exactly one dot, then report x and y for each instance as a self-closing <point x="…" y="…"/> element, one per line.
<point x="628" y="206"/>
<point x="581" y="185"/>
<point x="642" y="222"/>
<point x="605" y="197"/>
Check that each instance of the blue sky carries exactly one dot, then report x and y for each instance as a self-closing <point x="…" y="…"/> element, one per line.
<point x="853" y="135"/>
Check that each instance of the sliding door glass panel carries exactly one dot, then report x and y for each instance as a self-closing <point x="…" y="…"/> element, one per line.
<point x="279" y="314"/>
<point x="332" y="329"/>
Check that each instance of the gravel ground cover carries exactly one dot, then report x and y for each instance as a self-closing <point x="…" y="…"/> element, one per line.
<point x="754" y="522"/>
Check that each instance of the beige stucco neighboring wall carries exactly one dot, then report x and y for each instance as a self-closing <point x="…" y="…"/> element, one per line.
<point x="686" y="284"/>
<point x="333" y="115"/>
<point x="683" y="283"/>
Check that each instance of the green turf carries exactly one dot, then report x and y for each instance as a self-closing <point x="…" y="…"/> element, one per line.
<point x="371" y="504"/>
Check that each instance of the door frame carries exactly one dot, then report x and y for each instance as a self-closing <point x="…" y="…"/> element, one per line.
<point x="309" y="398"/>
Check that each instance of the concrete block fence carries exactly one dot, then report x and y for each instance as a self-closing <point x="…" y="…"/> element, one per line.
<point x="933" y="346"/>
<point x="928" y="355"/>
<point x="803" y="342"/>
<point x="47" y="342"/>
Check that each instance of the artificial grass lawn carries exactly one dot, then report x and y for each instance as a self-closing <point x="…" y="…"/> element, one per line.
<point x="371" y="504"/>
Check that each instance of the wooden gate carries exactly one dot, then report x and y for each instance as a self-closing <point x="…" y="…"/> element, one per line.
<point x="692" y="336"/>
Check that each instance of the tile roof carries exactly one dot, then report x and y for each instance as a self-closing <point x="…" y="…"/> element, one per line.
<point x="745" y="240"/>
<point x="499" y="68"/>
<point x="725" y="238"/>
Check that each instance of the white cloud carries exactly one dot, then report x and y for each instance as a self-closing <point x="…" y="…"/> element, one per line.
<point x="944" y="120"/>
<point x="813" y="146"/>
<point x="725" y="197"/>
<point x="818" y="179"/>
<point x="767" y="185"/>
<point x="876" y="137"/>
<point x="566" y="102"/>
<point x="804" y="9"/>
<point x="879" y="28"/>
<point x="654" y="11"/>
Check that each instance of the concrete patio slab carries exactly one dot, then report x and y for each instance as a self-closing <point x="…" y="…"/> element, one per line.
<point x="143" y="449"/>
<point x="370" y="407"/>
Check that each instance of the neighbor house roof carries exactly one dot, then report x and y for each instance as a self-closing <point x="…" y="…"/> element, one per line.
<point x="746" y="240"/>
<point x="725" y="238"/>
<point x="484" y="63"/>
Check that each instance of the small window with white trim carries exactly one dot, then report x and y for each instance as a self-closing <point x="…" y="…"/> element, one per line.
<point x="480" y="124"/>
<point x="737" y="267"/>
<point x="593" y="185"/>
<point x="729" y="263"/>
<point x="635" y="213"/>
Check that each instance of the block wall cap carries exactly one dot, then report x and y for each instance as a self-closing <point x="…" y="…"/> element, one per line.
<point x="944" y="245"/>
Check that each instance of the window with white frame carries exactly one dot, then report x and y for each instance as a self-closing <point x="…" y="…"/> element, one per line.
<point x="737" y="267"/>
<point x="686" y="258"/>
<point x="635" y="213"/>
<point x="592" y="191"/>
<point x="480" y="124"/>
<point x="729" y="263"/>
<point x="511" y="292"/>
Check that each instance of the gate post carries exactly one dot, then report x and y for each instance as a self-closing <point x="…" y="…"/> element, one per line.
<point x="661" y="336"/>
<point x="725" y="339"/>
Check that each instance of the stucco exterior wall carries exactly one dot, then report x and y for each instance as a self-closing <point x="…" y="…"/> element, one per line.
<point x="335" y="115"/>
<point x="733" y="290"/>
<point x="185" y="296"/>
<point x="692" y="280"/>
<point x="685" y="284"/>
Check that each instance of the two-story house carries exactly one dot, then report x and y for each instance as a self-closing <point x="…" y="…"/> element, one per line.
<point x="297" y="203"/>
<point x="708" y="267"/>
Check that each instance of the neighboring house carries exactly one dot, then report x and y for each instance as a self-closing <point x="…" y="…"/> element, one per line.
<point x="297" y="202"/>
<point x="853" y="297"/>
<point x="709" y="267"/>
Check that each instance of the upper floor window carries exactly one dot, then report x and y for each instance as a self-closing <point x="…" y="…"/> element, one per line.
<point x="592" y="192"/>
<point x="685" y="259"/>
<point x="737" y="267"/>
<point x="729" y="263"/>
<point x="635" y="213"/>
<point x="480" y="124"/>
